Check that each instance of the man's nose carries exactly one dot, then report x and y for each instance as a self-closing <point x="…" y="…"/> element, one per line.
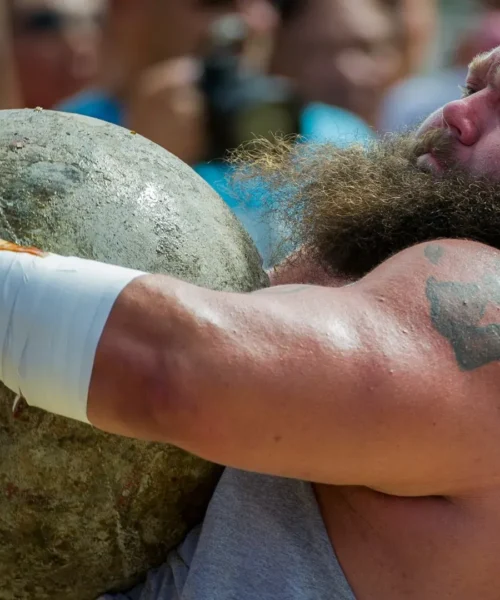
<point x="458" y="116"/>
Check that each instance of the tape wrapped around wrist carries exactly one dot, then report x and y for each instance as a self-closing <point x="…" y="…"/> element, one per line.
<point x="53" y="310"/>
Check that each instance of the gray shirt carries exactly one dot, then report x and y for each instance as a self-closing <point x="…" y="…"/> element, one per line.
<point x="263" y="538"/>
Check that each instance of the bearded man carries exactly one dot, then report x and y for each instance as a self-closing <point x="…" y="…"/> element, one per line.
<point x="382" y="393"/>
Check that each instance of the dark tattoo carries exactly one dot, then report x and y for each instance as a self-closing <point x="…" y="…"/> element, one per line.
<point x="285" y="289"/>
<point x="456" y="313"/>
<point x="434" y="253"/>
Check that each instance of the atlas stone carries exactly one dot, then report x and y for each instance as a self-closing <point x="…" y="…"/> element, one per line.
<point x="82" y="512"/>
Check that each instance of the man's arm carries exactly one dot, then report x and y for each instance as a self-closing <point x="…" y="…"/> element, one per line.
<point x="389" y="383"/>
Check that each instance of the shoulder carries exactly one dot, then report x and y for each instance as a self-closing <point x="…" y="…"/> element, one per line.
<point x="412" y="275"/>
<point x="449" y="289"/>
<point x="415" y="348"/>
<point x="446" y="257"/>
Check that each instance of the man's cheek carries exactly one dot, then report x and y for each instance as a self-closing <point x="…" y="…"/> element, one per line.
<point x="486" y="166"/>
<point x="484" y="158"/>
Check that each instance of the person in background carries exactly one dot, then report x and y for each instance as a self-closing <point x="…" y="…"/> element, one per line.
<point x="344" y="54"/>
<point x="308" y="45"/>
<point x="150" y="72"/>
<point x="409" y="102"/>
<point x="339" y="57"/>
<point x="54" y="47"/>
<point x="416" y="22"/>
<point x="341" y="53"/>
<point x="358" y="414"/>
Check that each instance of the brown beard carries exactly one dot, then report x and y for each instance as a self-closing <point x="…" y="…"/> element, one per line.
<point x="353" y="208"/>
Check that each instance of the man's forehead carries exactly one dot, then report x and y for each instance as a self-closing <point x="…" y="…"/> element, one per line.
<point x="482" y="63"/>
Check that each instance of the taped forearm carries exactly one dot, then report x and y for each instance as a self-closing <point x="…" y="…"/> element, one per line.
<point x="53" y="311"/>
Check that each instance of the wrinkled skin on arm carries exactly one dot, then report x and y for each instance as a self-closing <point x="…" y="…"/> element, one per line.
<point x="390" y="383"/>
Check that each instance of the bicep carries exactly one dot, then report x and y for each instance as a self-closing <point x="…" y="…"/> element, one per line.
<point x="351" y="386"/>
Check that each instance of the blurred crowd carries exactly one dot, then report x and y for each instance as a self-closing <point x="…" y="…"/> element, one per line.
<point x="199" y="77"/>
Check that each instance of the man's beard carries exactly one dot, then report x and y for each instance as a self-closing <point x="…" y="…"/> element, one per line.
<point x="355" y="207"/>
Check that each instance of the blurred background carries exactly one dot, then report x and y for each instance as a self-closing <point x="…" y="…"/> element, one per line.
<point x="200" y="77"/>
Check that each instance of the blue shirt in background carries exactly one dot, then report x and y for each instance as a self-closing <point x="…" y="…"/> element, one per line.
<point x="94" y="103"/>
<point x="319" y="123"/>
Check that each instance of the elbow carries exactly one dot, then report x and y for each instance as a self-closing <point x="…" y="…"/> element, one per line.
<point x="171" y="405"/>
<point x="182" y="412"/>
<point x="140" y="399"/>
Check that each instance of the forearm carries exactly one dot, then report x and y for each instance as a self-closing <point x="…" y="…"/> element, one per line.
<point x="174" y="362"/>
<point x="265" y="382"/>
<point x="184" y="365"/>
<point x="242" y="380"/>
<point x="310" y="383"/>
<point x="132" y="389"/>
<point x="95" y="342"/>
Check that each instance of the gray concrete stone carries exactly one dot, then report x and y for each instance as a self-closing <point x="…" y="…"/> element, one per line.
<point x="82" y="512"/>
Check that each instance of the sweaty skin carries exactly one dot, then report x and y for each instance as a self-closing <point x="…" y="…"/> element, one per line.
<point x="384" y="392"/>
<point x="372" y="389"/>
<point x="434" y="546"/>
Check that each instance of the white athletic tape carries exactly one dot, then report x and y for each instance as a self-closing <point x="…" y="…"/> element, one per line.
<point x="52" y="314"/>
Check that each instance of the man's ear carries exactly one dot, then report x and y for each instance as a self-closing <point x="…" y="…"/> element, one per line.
<point x="260" y="16"/>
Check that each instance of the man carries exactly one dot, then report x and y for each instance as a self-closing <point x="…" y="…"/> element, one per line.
<point x="384" y="393"/>
<point x="55" y="47"/>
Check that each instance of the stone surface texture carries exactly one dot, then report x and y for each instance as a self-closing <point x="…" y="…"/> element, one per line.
<point x="82" y="512"/>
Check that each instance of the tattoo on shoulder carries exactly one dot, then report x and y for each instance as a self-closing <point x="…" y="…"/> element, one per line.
<point x="285" y="289"/>
<point x="434" y="252"/>
<point x="457" y="311"/>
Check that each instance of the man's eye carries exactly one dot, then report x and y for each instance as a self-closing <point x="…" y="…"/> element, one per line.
<point x="467" y="91"/>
